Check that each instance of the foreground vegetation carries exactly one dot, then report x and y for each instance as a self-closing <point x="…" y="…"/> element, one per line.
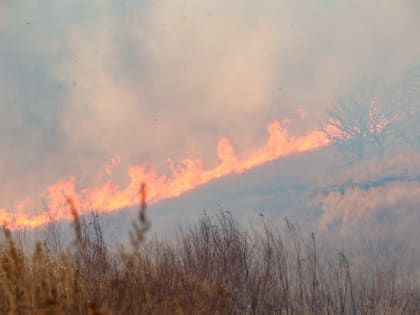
<point x="214" y="267"/>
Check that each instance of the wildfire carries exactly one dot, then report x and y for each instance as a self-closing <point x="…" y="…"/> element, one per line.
<point x="184" y="176"/>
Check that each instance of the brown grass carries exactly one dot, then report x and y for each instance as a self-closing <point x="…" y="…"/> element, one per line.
<point x="215" y="267"/>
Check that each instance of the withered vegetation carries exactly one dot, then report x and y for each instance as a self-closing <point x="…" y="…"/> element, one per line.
<point x="213" y="267"/>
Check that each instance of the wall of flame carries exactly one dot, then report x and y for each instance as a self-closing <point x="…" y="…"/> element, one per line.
<point x="184" y="175"/>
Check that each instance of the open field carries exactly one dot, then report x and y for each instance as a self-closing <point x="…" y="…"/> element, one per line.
<point x="213" y="267"/>
<point x="177" y="157"/>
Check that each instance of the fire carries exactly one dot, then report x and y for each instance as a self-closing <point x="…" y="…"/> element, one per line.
<point x="184" y="176"/>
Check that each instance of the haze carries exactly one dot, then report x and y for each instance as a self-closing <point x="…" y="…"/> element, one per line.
<point x="84" y="82"/>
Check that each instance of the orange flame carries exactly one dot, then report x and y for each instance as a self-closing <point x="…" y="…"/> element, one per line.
<point x="185" y="175"/>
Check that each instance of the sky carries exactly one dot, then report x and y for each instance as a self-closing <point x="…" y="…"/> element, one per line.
<point x="82" y="81"/>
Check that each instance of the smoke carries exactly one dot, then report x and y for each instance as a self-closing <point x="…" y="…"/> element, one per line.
<point x="81" y="82"/>
<point x="386" y="191"/>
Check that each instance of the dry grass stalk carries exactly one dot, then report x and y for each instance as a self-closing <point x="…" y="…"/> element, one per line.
<point x="215" y="267"/>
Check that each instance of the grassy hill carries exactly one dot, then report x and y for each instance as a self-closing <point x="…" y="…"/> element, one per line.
<point x="253" y="252"/>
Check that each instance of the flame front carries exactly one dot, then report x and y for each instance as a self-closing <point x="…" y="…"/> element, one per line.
<point x="184" y="176"/>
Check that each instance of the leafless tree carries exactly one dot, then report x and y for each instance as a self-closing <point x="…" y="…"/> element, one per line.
<point x="362" y="121"/>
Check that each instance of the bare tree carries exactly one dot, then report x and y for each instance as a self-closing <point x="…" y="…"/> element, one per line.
<point x="362" y="121"/>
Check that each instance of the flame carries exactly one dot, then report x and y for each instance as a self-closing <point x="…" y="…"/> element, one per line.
<point x="184" y="176"/>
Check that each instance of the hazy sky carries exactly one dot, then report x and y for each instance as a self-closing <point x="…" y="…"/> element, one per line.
<point x="82" y="81"/>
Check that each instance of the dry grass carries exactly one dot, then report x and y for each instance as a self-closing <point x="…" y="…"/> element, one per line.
<point x="215" y="267"/>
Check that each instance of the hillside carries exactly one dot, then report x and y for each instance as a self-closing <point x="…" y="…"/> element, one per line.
<point x="315" y="189"/>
